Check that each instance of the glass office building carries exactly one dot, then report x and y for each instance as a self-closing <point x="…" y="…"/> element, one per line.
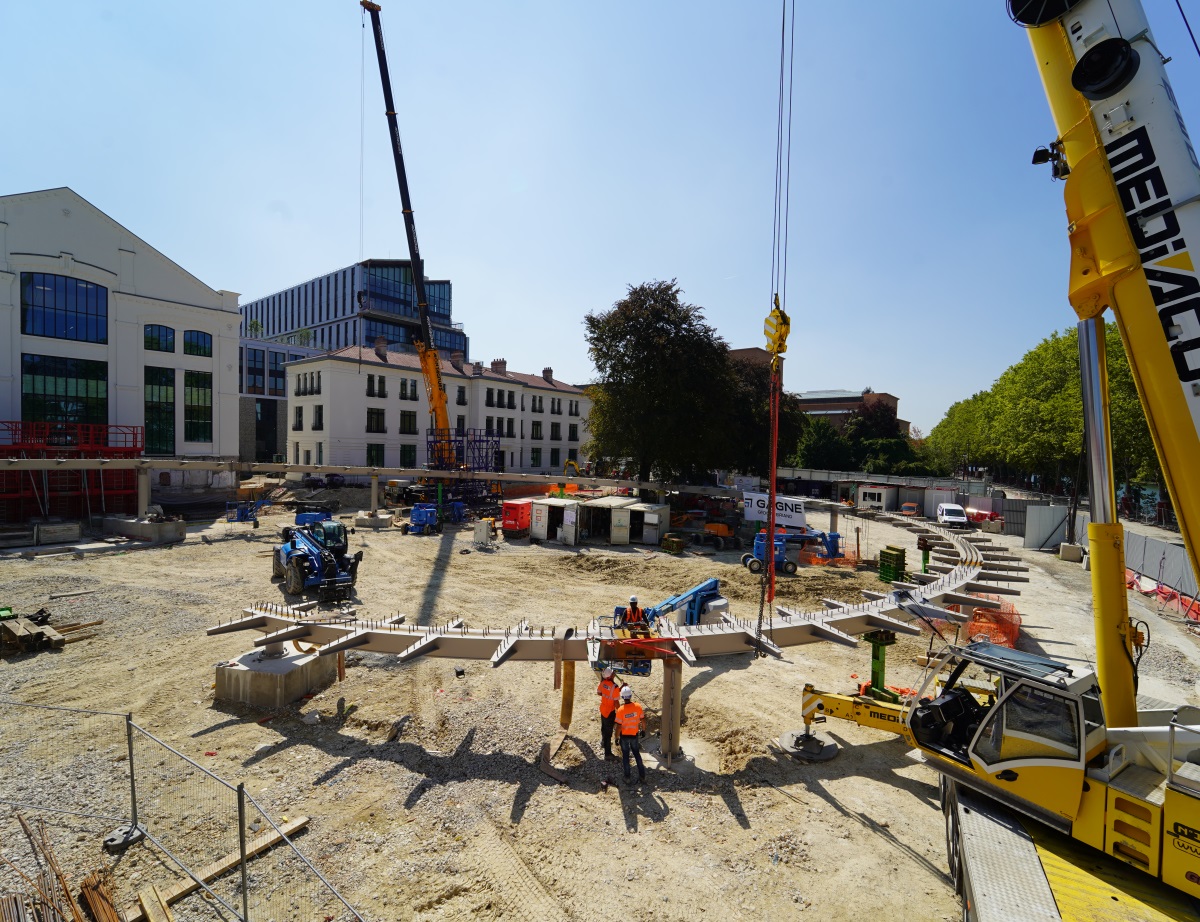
<point x="355" y="306"/>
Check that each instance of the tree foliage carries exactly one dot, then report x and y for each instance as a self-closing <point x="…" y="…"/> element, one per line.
<point x="1029" y="425"/>
<point x="664" y="394"/>
<point x="747" y="432"/>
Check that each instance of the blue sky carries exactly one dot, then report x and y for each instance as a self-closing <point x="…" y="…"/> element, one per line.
<point x="560" y="151"/>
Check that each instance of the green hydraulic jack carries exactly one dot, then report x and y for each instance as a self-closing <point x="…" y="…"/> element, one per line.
<point x="877" y="689"/>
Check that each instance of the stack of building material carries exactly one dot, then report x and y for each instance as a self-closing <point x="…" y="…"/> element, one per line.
<point x="891" y="564"/>
<point x="27" y="637"/>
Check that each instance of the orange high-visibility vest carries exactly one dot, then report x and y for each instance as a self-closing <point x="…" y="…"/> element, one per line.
<point x="629" y="717"/>
<point x="610" y="693"/>
<point x="635" y="615"/>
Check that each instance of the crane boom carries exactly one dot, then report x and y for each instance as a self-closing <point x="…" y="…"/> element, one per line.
<point x="441" y="448"/>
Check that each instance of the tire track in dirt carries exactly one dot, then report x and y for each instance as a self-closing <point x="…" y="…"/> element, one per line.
<point x="511" y="877"/>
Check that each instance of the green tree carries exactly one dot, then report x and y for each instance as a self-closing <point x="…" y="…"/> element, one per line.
<point x="822" y="447"/>
<point x="749" y="426"/>
<point x="663" y="397"/>
<point x="254" y="329"/>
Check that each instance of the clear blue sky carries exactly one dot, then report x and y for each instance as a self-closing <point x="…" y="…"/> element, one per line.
<point x="560" y="151"/>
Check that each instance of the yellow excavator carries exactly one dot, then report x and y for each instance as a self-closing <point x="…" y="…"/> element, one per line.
<point x="1043" y="764"/>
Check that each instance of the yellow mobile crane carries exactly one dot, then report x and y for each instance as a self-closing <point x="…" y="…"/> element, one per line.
<point x="441" y="445"/>
<point x="1017" y="737"/>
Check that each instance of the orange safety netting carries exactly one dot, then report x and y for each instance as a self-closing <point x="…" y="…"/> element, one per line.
<point x="1167" y="597"/>
<point x="999" y="625"/>
<point x="813" y="559"/>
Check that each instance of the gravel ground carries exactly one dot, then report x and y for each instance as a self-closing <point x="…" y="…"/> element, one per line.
<point x="425" y="798"/>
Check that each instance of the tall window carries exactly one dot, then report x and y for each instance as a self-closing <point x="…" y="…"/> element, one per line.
<point x="197" y="406"/>
<point x="375" y="421"/>
<point x="535" y="431"/>
<point x="64" y="308"/>
<point x="298" y="420"/>
<point x="508" y="429"/>
<point x="320" y="451"/>
<point x="512" y="400"/>
<point x="408" y="455"/>
<point x="572" y="454"/>
<point x="404" y="388"/>
<point x="490" y="399"/>
<point x="159" y="338"/>
<point x="535" y="457"/>
<point x="408" y="422"/>
<point x="57" y="389"/>
<point x="370" y="385"/>
<point x="412" y="389"/>
<point x="556" y="432"/>
<point x="462" y="397"/>
<point x="573" y="432"/>
<point x="277" y="382"/>
<point x="160" y="410"/>
<point x="318" y="418"/>
<point x="255" y="371"/>
<point x="460" y="427"/>
<point x="555" y="455"/>
<point x="197" y="343"/>
<point x="374" y="455"/>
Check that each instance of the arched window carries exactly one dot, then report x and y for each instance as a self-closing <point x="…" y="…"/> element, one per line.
<point x="197" y="343"/>
<point x="159" y="338"/>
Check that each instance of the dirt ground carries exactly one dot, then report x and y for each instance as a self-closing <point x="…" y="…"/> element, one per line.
<point x="451" y="819"/>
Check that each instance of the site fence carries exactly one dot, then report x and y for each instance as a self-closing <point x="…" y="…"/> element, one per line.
<point x="99" y="772"/>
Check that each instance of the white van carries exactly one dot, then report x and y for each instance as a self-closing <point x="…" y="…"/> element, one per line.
<point x="952" y="514"/>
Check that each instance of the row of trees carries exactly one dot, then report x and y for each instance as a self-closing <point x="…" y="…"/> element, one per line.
<point x="672" y="402"/>
<point x="1029" y="425"/>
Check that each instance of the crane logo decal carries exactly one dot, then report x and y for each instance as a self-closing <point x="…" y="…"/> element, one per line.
<point x="1167" y="263"/>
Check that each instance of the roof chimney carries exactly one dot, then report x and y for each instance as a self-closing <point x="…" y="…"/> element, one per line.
<point x="477" y="369"/>
<point x="456" y="359"/>
<point x="548" y="374"/>
<point x="500" y="367"/>
<point x="381" y="348"/>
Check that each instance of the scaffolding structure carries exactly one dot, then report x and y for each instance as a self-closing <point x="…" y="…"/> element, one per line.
<point x="26" y="495"/>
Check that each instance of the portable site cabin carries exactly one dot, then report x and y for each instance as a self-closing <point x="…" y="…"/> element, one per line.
<point x="648" y="522"/>
<point x="934" y="498"/>
<point x="879" y="498"/>
<point x="548" y="519"/>
<point x="605" y="520"/>
<point x="515" y="516"/>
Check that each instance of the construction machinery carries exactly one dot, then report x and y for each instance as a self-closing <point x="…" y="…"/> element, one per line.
<point x="1045" y="763"/>
<point x="430" y="518"/>
<point x="755" y="561"/>
<point x="245" y="510"/>
<point x="634" y="647"/>
<point x="314" y="558"/>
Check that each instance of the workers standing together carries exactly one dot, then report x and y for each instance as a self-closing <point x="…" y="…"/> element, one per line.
<point x="629" y="718"/>
<point x="609" y="691"/>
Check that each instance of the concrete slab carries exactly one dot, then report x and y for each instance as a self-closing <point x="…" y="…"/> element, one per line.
<point x="273" y="682"/>
<point x="378" y="520"/>
<point x="157" y="532"/>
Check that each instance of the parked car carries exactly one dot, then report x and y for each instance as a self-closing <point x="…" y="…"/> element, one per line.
<point x="952" y="515"/>
<point x="910" y="509"/>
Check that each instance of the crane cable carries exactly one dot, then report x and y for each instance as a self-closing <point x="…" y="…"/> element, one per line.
<point x="779" y="241"/>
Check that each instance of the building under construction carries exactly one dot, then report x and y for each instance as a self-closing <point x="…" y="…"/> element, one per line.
<point x="67" y="494"/>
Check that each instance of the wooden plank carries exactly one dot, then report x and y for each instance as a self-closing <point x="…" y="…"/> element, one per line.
<point x="177" y="891"/>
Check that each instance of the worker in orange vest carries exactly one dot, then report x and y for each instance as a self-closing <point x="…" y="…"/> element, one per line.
<point x="609" y="691"/>
<point x="635" y="618"/>
<point x="629" y="719"/>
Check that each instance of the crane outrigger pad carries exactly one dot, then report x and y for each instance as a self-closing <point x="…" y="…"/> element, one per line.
<point x="807" y="747"/>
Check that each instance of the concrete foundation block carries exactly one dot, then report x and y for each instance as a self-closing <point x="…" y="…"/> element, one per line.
<point x="378" y="520"/>
<point x="158" y="532"/>
<point x="1070" y="552"/>
<point x="258" y="682"/>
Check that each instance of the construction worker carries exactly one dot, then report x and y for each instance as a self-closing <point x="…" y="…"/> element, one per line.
<point x="629" y="718"/>
<point x="635" y="618"/>
<point x="609" y="691"/>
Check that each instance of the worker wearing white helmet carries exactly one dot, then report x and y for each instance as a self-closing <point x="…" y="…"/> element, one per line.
<point x="634" y="617"/>
<point x="609" y="691"/>
<point x="630" y="717"/>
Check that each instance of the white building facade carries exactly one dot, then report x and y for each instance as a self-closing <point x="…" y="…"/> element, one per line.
<point x="96" y="326"/>
<point x="357" y="406"/>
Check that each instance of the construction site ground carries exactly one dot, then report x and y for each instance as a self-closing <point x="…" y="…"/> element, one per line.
<point x="423" y="787"/>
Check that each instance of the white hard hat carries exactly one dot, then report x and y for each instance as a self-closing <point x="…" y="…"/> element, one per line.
<point x="626" y="692"/>
<point x="633" y="600"/>
<point x="607" y="673"/>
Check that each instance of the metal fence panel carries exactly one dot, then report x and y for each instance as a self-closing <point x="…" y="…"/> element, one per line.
<point x="187" y="811"/>
<point x="65" y="760"/>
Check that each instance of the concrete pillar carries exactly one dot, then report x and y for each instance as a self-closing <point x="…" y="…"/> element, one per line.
<point x="833" y="518"/>
<point x="672" y="708"/>
<point x="143" y="491"/>
<point x="374" y="493"/>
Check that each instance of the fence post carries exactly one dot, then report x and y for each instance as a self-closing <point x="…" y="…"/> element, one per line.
<point x="241" y="793"/>
<point x="132" y="781"/>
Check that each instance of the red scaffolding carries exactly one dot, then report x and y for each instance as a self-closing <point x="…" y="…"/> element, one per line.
<point x="67" y="494"/>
